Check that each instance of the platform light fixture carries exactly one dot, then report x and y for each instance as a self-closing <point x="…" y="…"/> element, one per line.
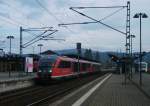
<point x="140" y="16"/>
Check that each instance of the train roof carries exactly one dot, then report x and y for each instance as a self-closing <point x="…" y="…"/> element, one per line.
<point x="76" y="60"/>
<point x="49" y="57"/>
<point x="65" y="58"/>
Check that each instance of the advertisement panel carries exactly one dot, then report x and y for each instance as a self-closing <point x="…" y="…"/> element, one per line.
<point x="29" y="64"/>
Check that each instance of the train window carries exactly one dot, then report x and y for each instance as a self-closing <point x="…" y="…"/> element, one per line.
<point x="47" y="61"/>
<point x="64" y="64"/>
<point x="45" y="64"/>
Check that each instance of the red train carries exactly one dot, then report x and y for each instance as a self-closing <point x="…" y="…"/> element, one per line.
<point x="56" y="67"/>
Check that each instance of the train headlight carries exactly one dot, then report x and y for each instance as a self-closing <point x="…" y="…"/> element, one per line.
<point x="50" y="71"/>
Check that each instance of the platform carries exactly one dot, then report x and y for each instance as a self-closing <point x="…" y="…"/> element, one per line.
<point x="109" y="92"/>
<point x="16" y="80"/>
<point x="145" y="87"/>
<point x="14" y="76"/>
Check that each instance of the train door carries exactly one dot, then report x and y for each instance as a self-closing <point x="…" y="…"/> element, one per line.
<point x="75" y="67"/>
<point x="84" y="67"/>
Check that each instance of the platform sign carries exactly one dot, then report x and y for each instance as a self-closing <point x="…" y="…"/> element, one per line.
<point x="29" y="64"/>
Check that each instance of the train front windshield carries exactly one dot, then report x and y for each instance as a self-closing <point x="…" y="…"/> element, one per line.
<point x="46" y="63"/>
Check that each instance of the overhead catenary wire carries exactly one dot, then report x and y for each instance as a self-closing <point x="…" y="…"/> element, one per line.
<point x="14" y="22"/>
<point x="37" y="28"/>
<point x="51" y="14"/>
<point x="48" y="11"/>
<point x="104" y="18"/>
<point x="40" y="37"/>
<point x="53" y="39"/>
<point x="19" y="23"/>
<point x="99" y="7"/>
<point x="29" y="32"/>
<point x="46" y="36"/>
<point x="35" y="38"/>
<point x="27" y="43"/>
<point x="9" y="21"/>
<point x="57" y="19"/>
<point x="21" y="12"/>
<point x="98" y="21"/>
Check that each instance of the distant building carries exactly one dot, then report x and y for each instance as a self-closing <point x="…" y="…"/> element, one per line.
<point x="48" y="52"/>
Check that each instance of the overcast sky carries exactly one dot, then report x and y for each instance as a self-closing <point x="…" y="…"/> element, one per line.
<point x="31" y="14"/>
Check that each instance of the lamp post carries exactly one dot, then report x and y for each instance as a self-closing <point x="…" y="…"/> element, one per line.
<point x="140" y="15"/>
<point x="10" y="38"/>
<point x="40" y="45"/>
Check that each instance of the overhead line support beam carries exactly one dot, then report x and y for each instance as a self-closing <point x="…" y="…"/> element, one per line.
<point x="98" y="7"/>
<point x="98" y="21"/>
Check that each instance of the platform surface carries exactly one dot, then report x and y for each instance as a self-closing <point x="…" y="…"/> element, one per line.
<point x="113" y="92"/>
<point x="145" y="82"/>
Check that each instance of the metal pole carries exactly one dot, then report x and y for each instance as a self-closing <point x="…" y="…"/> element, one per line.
<point x="10" y="46"/>
<point x="131" y="58"/>
<point x="127" y="40"/>
<point x="40" y="49"/>
<point x="140" y="51"/>
<point x="21" y="50"/>
<point x="9" y="68"/>
<point x="20" y="40"/>
<point x="79" y="52"/>
<point x="131" y="45"/>
<point x="78" y="63"/>
<point x="130" y="65"/>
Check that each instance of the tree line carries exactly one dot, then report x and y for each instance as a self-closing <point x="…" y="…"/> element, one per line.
<point x="89" y="54"/>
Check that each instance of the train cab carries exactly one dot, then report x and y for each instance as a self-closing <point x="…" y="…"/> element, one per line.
<point x="46" y="66"/>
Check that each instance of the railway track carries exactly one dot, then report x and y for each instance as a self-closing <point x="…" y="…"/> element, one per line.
<point x="43" y="95"/>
